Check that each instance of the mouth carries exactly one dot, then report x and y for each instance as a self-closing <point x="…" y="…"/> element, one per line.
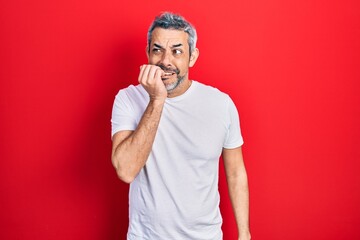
<point x="169" y="72"/>
<point x="167" y="75"/>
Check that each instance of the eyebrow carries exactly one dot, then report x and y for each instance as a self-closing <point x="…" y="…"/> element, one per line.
<point x="158" y="46"/>
<point x="176" y="45"/>
<point x="173" y="46"/>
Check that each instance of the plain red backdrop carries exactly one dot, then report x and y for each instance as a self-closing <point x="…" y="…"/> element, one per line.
<point x="291" y="67"/>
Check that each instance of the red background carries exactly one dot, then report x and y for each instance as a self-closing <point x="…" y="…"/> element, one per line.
<point x="292" y="68"/>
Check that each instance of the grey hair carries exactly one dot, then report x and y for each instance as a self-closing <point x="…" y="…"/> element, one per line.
<point x="169" y="20"/>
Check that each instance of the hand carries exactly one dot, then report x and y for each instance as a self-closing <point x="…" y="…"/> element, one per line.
<point x="150" y="79"/>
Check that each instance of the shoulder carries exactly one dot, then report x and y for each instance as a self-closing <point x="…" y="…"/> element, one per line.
<point x="132" y="97"/>
<point x="132" y="93"/>
<point x="132" y="90"/>
<point x="211" y="92"/>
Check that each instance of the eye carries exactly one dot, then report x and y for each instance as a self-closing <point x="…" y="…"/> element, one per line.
<point x="177" y="51"/>
<point x="156" y="50"/>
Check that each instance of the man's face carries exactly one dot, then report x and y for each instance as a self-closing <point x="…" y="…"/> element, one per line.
<point x="169" y="49"/>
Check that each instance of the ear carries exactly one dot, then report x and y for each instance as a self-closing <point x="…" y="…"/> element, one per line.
<point x="194" y="56"/>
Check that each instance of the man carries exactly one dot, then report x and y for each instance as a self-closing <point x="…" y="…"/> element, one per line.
<point x="168" y="133"/>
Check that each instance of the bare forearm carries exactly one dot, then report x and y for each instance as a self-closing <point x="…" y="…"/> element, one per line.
<point x="130" y="154"/>
<point x="239" y="195"/>
<point x="132" y="148"/>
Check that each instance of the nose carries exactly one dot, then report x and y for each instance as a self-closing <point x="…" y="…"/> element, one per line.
<point x="166" y="58"/>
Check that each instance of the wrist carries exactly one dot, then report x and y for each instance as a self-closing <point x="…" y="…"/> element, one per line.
<point x="157" y="100"/>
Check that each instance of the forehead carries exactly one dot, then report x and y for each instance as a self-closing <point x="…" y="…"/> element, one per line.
<point x="169" y="37"/>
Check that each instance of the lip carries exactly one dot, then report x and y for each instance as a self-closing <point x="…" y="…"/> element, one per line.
<point x="167" y="75"/>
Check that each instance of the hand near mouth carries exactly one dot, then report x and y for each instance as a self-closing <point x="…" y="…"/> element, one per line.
<point x="168" y="71"/>
<point x="151" y="78"/>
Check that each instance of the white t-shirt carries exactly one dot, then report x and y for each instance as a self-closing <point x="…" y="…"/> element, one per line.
<point x="175" y="196"/>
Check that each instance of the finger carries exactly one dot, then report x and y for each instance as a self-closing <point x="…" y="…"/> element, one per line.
<point x="144" y="77"/>
<point x="159" y="73"/>
<point x="151" y="74"/>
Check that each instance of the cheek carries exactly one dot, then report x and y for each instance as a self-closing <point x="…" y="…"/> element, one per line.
<point x="153" y="59"/>
<point x="183" y="66"/>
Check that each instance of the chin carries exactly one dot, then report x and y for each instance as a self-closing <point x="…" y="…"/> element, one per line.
<point x="173" y="85"/>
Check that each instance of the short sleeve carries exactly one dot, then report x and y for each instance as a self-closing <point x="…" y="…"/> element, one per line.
<point x="122" y="114"/>
<point x="233" y="137"/>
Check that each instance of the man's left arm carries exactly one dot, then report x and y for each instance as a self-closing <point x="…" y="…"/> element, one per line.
<point x="237" y="182"/>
